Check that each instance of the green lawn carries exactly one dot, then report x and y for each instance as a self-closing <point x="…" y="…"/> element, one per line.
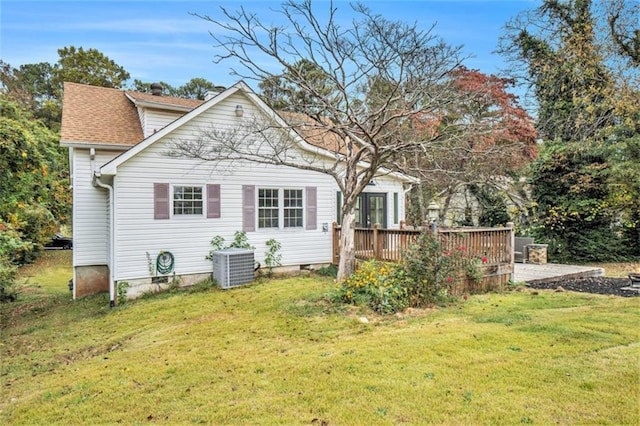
<point x="276" y="353"/>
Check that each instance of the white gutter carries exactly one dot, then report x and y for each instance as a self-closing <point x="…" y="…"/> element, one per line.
<point x="97" y="182"/>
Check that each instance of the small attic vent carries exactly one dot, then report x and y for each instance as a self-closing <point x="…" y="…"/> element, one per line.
<point x="156" y="89"/>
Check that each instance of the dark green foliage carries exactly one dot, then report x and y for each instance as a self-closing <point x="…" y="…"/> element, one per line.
<point x="493" y="209"/>
<point x="584" y="212"/>
<point x="426" y="276"/>
<point x="585" y="184"/>
<point x="557" y="46"/>
<point x="378" y="285"/>
<point x="298" y="89"/>
<point x="38" y="87"/>
<point x="88" y="66"/>
<point x="34" y="195"/>
<point x="12" y="249"/>
<point x="328" y="271"/>
<point x="431" y="271"/>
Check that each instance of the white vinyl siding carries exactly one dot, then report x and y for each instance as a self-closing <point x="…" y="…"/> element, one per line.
<point x="155" y="120"/>
<point x="188" y="238"/>
<point x="90" y="211"/>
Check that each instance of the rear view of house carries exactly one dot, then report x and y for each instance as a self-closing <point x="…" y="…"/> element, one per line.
<point x="135" y="204"/>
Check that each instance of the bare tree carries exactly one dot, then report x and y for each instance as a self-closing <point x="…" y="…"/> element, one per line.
<point x="365" y="128"/>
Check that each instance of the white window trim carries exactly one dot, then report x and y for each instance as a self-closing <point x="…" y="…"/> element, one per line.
<point x="203" y="200"/>
<point x="281" y="209"/>
<point x="258" y="208"/>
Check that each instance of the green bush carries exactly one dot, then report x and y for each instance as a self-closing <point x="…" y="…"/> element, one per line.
<point x="431" y="271"/>
<point x="12" y="249"/>
<point x="375" y="284"/>
<point x="272" y="257"/>
<point x="426" y="276"/>
<point x="330" y="270"/>
<point x="587" y="200"/>
<point x="240" y="240"/>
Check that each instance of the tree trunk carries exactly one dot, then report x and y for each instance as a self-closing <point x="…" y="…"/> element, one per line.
<point x="347" y="262"/>
<point x="422" y="203"/>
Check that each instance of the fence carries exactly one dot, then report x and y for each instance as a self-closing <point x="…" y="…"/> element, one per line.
<point x="493" y="245"/>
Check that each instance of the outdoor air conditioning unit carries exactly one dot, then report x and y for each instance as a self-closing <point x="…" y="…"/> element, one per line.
<point x="233" y="267"/>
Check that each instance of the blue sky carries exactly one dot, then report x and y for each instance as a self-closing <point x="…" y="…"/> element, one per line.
<point x="161" y="40"/>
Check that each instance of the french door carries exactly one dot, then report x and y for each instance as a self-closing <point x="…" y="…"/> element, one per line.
<point x="371" y="208"/>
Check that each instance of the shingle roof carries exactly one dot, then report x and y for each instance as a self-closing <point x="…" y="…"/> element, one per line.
<point x="98" y="115"/>
<point x="104" y="116"/>
<point x="165" y="100"/>
<point x="314" y="133"/>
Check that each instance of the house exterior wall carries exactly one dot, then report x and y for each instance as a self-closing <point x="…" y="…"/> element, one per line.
<point x="140" y="237"/>
<point x="90" y="214"/>
<point x="155" y="120"/>
<point x="90" y="211"/>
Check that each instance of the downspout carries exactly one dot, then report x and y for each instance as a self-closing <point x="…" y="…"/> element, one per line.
<point x="98" y="183"/>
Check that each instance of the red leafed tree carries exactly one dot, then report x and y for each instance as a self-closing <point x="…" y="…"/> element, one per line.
<point x="502" y="141"/>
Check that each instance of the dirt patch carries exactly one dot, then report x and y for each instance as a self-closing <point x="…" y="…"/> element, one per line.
<point x="598" y="285"/>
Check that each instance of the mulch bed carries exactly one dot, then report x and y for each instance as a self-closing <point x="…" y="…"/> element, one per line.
<point x="598" y="285"/>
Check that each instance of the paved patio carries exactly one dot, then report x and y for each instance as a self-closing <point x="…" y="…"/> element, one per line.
<point x="529" y="272"/>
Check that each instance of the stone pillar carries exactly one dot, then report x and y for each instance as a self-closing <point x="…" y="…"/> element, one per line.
<point x="537" y="254"/>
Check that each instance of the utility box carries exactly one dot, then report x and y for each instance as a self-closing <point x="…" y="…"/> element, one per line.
<point x="233" y="267"/>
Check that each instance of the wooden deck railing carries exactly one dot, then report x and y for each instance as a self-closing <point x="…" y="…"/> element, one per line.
<point x="494" y="246"/>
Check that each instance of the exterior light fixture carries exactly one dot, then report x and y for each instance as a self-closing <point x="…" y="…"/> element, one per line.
<point x="433" y="212"/>
<point x="239" y="111"/>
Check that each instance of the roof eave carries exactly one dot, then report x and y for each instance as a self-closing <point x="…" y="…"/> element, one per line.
<point x="102" y="145"/>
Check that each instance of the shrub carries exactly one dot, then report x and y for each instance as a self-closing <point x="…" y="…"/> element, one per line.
<point x="426" y="276"/>
<point x="272" y="256"/>
<point x="12" y="248"/>
<point x="431" y="271"/>
<point x="330" y="270"/>
<point x="240" y="240"/>
<point x="375" y="284"/>
<point x="7" y="280"/>
<point x="123" y="286"/>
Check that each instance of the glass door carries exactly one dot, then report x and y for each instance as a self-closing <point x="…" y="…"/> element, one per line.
<point x="376" y="210"/>
<point x="371" y="208"/>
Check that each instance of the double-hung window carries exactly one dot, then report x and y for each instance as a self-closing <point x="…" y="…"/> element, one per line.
<point x="187" y="200"/>
<point x="280" y="206"/>
<point x="268" y="208"/>
<point x="292" y="199"/>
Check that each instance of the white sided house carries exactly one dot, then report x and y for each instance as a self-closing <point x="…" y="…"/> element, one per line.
<point x="132" y="201"/>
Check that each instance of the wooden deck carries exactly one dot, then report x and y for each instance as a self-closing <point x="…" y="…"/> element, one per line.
<point x="531" y="273"/>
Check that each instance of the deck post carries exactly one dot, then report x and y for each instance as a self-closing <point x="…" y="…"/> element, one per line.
<point x="377" y="242"/>
<point x="335" y="244"/>
<point x="510" y="247"/>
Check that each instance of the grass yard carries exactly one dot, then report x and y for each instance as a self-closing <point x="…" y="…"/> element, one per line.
<point x="618" y="270"/>
<point x="276" y="353"/>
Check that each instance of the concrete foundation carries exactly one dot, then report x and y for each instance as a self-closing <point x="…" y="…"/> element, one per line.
<point x="142" y="286"/>
<point x="90" y="280"/>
